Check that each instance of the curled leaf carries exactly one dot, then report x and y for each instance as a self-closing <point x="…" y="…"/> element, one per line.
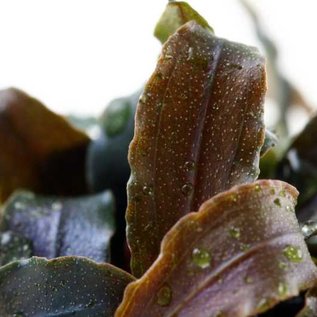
<point x="239" y="255"/>
<point x="68" y="286"/>
<point x="198" y="131"/>
<point x="40" y="151"/>
<point x="176" y="14"/>
<point x="68" y="226"/>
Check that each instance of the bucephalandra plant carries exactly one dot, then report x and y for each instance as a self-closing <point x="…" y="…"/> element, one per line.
<point x="207" y="239"/>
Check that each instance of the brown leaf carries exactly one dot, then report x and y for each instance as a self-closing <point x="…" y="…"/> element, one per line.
<point x="39" y="149"/>
<point x="242" y="253"/>
<point x="199" y="130"/>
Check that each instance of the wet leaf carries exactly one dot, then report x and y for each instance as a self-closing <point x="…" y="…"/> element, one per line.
<point x="68" y="226"/>
<point x="239" y="255"/>
<point x="13" y="247"/>
<point x="198" y="131"/>
<point x="299" y="165"/>
<point x="176" y="14"/>
<point x="68" y="286"/>
<point x="310" y="309"/>
<point x="40" y="151"/>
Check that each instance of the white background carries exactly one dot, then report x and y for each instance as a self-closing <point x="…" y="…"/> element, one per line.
<point x="76" y="55"/>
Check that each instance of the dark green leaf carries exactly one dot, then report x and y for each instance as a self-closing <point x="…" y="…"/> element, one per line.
<point x="40" y="151"/>
<point x="68" y="286"/>
<point x="176" y="14"/>
<point x="63" y="226"/>
<point x="199" y="131"/>
<point x="239" y="255"/>
<point x="13" y="247"/>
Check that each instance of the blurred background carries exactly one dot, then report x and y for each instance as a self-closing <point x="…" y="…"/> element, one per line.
<point x="77" y="55"/>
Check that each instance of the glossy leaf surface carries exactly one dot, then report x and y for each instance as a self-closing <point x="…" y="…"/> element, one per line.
<point x="299" y="165"/>
<point x="57" y="227"/>
<point x="13" y="247"/>
<point x="176" y="14"/>
<point x="68" y="286"/>
<point x="198" y="131"/>
<point x="39" y="149"/>
<point x="239" y="255"/>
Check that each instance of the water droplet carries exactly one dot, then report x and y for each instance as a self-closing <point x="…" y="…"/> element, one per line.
<point x="282" y="289"/>
<point x="277" y="202"/>
<point x="164" y="296"/>
<point x="248" y="280"/>
<point x="187" y="189"/>
<point x="234" y="232"/>
<point x="293" y="254"/>
<point x="283" y="193"/>
<point x="201" y="258"/>
<point x="147" y="190"/>
<point x="189" y="165"/>
<point x="234" y="198"/>
<point x="257" y="188"/>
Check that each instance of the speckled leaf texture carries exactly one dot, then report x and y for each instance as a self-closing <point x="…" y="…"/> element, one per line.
<point x="199" y="130"/>
<point x="63" y="226"/>
<point x="68" y="286"/>
<point x="241" y="254"/>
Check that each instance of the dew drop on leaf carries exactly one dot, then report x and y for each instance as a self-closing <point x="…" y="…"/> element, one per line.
<point x="187" y="189"/>
<point x="164" y="296"/>
<point x="234" y="232"/>
<point x="189" y="165"/>
<point x="201" y="258"/>
<point x="147" y="190"/>
<point x="293" y="254"/>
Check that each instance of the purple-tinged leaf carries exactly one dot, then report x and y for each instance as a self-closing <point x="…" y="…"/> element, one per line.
<point x="239" y="255"/>
<point x="67" y="286"/>
<point x="63" y="226"/>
